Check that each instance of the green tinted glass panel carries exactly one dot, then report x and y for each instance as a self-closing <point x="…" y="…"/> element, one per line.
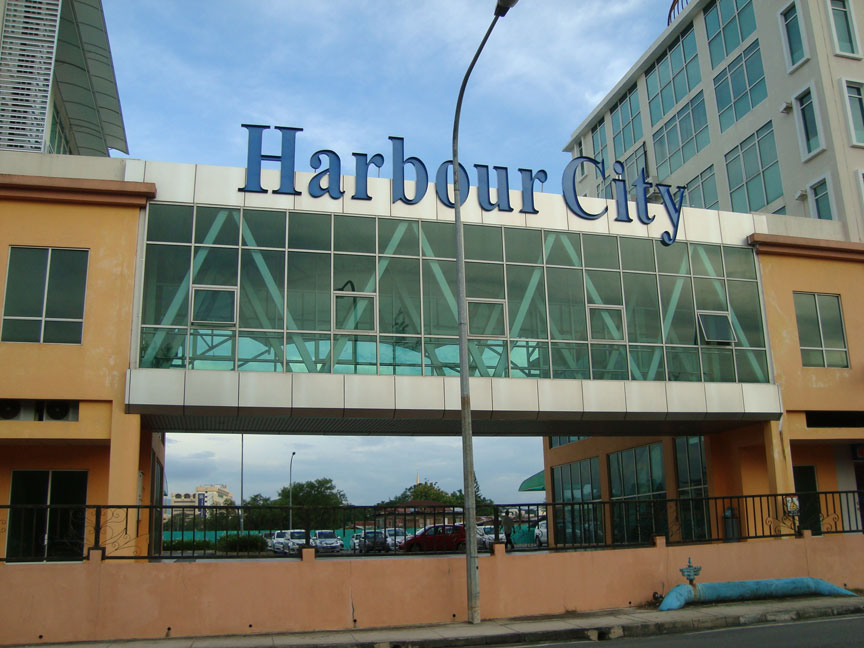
<point x="353" y="234"/>
<point x="834" y="359"/>
<point x="169" y="223"/>
<point x="603" y="287"/>
<point x="163" y="348"/>
<point x="485" y="318"/>
<point x="308" y="291"/>
<point x="439" y="297"/>
<point x="165" y="296"/>
<point x="808" y="320"/>
<point x="400" y="356"/>
<point x="672" y="259"/>
<point x="570" y="361"/>
<point x="438" y="240"/>
<point x="355" y="354"/>
<point x="263" y="228"/>
<point x="600" y="251"/>
<point x="523" y="245"/>
<point x="745" y="311"/>
<point x="642" y="308"/>
<point x="307" y="352"/>
<point x="399" y="295"/>
<point x="25" y="283"/>
<point x="355" y="313"/>
<point x="217" y="225"/>
<point x="211" y="349"/>
<point x="563" y="248"/>
<point x="683" y="364"/>
<point x="441" y="357"/>
<point x="718" y="365"/>
<point x="526" y="302"/>
<point x="354" y="273"/>
<point x="62" y="332"/>
<point x="213" y="306"/>
<point x="716" y="328"/>
<point x="832" y="321"/>
<point x="215" y="266"/>
<point x="398" y="237"/>
<point x="606" y="324"/>
<point x="752" y="366"/>
<point x="637" y="254"/>
<point x="529" y="359"/>
<point x="812" y="358"/>
<point x="259" y="351"/>
<point x="609" y="362"/>
<point x="740" y="263"/>
<point x="679" y="316"/>
<point x="710" y="294"/>
<point x="308" y="231"/>
<point x="485" y="357"/>
<point x="566" y="304"/>
<point x="22" y="330"/>
<point x="706" y="260"/>
<point x="262" y="277"/>
<point x="67" y="277"/>
<point x="483" y="243"/>
<point x="646" y="363"/>
<point x="484" y="280"/>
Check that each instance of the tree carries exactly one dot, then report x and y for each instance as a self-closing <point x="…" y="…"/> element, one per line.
<point x="316" y="503"/>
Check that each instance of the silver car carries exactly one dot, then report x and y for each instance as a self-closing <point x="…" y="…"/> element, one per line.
<point x="326" y="542"/>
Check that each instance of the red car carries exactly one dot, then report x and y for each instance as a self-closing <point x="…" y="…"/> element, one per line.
<point x="437" y="537"/>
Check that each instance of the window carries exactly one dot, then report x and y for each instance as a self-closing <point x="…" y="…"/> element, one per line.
<point x="576" y="488"/>
<point x="754" y="171"/>
<point x="692" y="485"/>
<point x="598" y="139"/>
<point x="844" y="28"/>
<point x="557" y="441"/>
<point x="626" y="122"/>
<point x="740" y="87"/>
<point x="45" y="295"/>
<point x="820" y="200"/>
<point x="633" y="166"/>
<point x="808" y="124"/>
<point x="672" y="76"/>
<point x="855" y="97"/>
<point x="791" y="28"/>
<point x="680" y="138"/>
<point x="702" y="190"/>
<point x="728" y="23"/>
<point x="579" y="151"/>
<point x="636" y="478"/>
<point x="820" y="330"/>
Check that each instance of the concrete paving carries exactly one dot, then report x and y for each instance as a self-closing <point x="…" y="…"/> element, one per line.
<point x="605" y="624"/>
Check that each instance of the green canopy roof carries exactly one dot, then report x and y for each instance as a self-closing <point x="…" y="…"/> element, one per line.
<point x="536" y="482"/>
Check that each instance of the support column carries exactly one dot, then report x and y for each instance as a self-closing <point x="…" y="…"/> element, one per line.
<point x="122" y="525"/>
<point x="778" y="458"/>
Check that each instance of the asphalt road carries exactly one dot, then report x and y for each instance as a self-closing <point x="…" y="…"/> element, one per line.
<point x="837" y="632"/>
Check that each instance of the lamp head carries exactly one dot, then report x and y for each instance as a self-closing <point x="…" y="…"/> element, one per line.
<point x="504" y="6"/>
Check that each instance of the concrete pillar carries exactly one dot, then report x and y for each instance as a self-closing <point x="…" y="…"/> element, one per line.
<point x="778" y="459"/>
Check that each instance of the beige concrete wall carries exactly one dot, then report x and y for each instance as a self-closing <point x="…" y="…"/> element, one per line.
<point x="103" y="600"/>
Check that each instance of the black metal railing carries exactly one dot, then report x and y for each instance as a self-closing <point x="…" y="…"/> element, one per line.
<point x="676" y="8"/>
<point x="69" y="532"/>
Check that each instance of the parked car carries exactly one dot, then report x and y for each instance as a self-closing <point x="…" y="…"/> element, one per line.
<point x="372" y="541"/>
<point x="486" y="536"/>
<point x="289" y="541"/>
<point x="268" y="539"/>
<point x="541" y="536"/>
<point x="326" y="541"/>
<point x="395" y="538"/>
<point x="437" y="537"/>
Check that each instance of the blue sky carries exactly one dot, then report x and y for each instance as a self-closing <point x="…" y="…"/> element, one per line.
<point x="352" y="73"/>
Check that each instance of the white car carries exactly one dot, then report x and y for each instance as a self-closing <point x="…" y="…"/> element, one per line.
<point x="289" y="541"/>
<point x="395" y="538"/>
<point x="486" y="536"/>
<point x="541" y="535"/>
<point x="326" y="541"/>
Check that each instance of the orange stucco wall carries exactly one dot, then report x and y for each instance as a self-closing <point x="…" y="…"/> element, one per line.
<point x="104" y="600"/>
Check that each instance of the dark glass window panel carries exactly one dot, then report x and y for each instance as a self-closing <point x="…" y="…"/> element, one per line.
<point x="740" y="263"/>
<point x="262" y="278"/>
<point x="658" y="473"/>
<point x="609" y="362"/>
<point x="570" y="361"/>
<point x="706" y="260"/>
<point x="264" y="228"/>
<point x="672" y="259"/>
<point x="679" y="315"/>
<point x="808" y="320"/>
<point x="526" y="302"/>
<point x="25" y="282"/>
<point x="710" y="294"/>
<point x="603" y="288"/>
<point x="483" y="243"/>
<point x="746" y="313"/>
<point x="163" y="348"/>
<point x="628" y="472"/>
<point x="439" y="297"/>
<point x="523" y="245"/>
<point x="15" y="330"/>
<point x="165" y="298"/>
<point x="62" y="332"/>
<point x="67" y="278"/>
<point x="837" y="359"/>
<point x="259" y="351"/>
<point x="831" y="319"/>
<point x="646" y="363"/>
<point x="683" y="364"/>
<point x="355" y="313"/>
<point x="352" y="273"/>
<point x="66" y="522"/>
<point x="211" y="349"/>
<point x="438" y="240"/>
<point x="484" y="280"/>
<point x="28" y="526"/>
<point x="215" y="266"/>
<point x="812" y="358"/>
<point x="615" y="481"/>
<point x="601" y="251"/>
<point x="400" y="356"/>
<point x="308" y="291"/>
<point x="718" y="365"/>
<point x="307" y="353"/>
<point x="399" y="295"/>
<point x="213" y="306"/>
<point x="642" y="308"/>
<point x="564" y="249"/>
<point x="217" y="225"/>
<point x="353" y="234"/>
<point x="398" y="237"/>
<point x="487" y="358"/>
<point x="716" y="328"/>
<point x="529" y="359"/>
<point x="566" y="304"/>
<point x="681" y="462"/>
<point x="441" y="357"/>
<point x="486" y="318"/>
<point x="643" y="470"/>
<point x="169" y="223"/>
<point x="355" y="354"/>
<point x="752" y="366"/>
<point x="308" y="231"/>
<point x="637" y="254"/>
<point x="606" y="323"/>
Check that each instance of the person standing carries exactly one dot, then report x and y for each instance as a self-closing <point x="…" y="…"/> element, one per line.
<point x="507" y="526"/>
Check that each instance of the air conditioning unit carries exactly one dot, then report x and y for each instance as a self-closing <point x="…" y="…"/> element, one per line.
<point x="13" y="409"/>
<point x="60" y="410"/>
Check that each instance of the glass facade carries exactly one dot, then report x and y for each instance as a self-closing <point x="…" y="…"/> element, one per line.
<point x="633" y="166"/>
<point x="673" y="75"/>
<point x="728" y="23"/>
<point x="680" y="138"/>
<point x="809" y="126"/>
<point x="740" y="86"/>
<point x="855" y="96"/>
<point x="601" y="154"/>
<point x="820" y="330"/>
<point x="692" y="484"/>
<point x="638" y="493"/>
<point x="792" y="29"/>
<point x="753" y="171"/>
<point x="578" y="484"/>
<point x="626" y="122"/>
<point x="257" y="290"/>
<point x="702" y="190"/>
<point x="843" y="31"/>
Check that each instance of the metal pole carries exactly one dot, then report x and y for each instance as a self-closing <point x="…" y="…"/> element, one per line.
<point x="291" y="492"/>
<point x="471" y="566"/>
<point x="242" y="440"/>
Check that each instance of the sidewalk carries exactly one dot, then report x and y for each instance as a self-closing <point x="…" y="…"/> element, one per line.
<point x="606" y="624"/>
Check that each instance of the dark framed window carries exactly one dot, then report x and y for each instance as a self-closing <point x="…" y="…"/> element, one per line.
<point x="821" y="333"/>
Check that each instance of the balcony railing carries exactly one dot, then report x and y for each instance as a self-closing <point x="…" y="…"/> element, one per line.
<point x="676" y="8"/>
<point x="32" y="533"/>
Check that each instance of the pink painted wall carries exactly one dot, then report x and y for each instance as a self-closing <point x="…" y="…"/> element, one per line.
<point x="104" y="600"/>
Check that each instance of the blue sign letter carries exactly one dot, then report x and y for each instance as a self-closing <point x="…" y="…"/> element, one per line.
<point x="286" y="160"/>
<point x="334" y="170"/>
<point x="441" y="184"/>
<point x="568" y="186"/>
<point x="399" y="163"/>
<point x="484" y="196"/>
<point x="361" y="174"/>
<point x="528" y="180"/>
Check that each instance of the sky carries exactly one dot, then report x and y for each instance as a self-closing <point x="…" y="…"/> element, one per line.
<point x="352" y="73"/>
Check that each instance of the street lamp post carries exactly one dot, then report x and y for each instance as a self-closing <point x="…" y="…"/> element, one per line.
<point x="471" y="566"/>
<point x="291" y="492"/>
<point x="242" y="443"/>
